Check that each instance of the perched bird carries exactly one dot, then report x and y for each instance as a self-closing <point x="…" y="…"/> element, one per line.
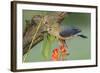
<point x="54" y="28"/>
<point x="63" y="35"/>
<point x="71" y="32"/>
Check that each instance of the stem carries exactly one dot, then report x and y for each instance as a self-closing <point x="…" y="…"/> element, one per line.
<point x="38" y="27"/>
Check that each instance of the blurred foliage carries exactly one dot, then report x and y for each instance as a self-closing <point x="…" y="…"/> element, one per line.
<point x="47" y="45"/>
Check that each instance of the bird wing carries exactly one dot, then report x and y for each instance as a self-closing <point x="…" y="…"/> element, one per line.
<point x="69" y="32"/>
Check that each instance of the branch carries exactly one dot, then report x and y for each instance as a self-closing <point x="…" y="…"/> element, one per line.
<point x="56" y="17"/>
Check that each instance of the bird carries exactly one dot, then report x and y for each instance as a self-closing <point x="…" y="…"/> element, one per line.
<point x="71" y="32"/>
<point x="66" y="33"/>
<point x="63" y="35"/>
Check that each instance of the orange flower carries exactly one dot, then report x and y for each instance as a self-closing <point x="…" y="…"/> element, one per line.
<point x="59" y="53"/>
<point x="55" y="54"/>
<point x="63" y="51"/>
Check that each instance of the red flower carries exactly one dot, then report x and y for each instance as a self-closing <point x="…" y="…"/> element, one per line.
<point x="55" y="54"/>
<point x="59" y="53"/>
<point x="63" y="51"/>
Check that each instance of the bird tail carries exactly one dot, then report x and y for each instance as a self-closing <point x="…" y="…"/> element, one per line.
<point x="82" y="36"/>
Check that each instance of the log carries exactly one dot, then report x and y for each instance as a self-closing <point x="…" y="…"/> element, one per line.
<point x="28" y="33"/>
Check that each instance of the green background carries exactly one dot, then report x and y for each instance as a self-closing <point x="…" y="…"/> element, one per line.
<point x="79" y="48"/>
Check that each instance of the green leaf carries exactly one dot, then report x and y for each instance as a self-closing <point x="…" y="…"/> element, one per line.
<point x="46" y="46"/>
<point x="52" y="38"/>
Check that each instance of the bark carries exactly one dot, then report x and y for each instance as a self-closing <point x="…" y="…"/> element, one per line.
<point x="28" y="33"/>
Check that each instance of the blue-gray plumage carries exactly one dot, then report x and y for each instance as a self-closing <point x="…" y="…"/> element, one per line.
<point x="71" y="32"/>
